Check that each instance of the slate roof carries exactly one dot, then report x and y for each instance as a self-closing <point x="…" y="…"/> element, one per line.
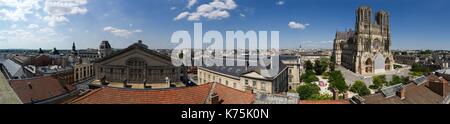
<point x="345" y="35"/>
<point x="14" y="69"/>
<point x="238" y="71"/>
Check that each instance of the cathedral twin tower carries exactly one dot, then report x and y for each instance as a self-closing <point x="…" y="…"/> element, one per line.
<point x="366" y="50"/>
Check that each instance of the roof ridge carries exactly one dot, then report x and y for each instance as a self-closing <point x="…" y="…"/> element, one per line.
<point x="86" y="95"/>
<point x="211" y="92"/>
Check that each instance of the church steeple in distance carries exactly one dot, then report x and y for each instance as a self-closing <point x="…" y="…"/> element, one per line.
<point x="74" y="50"/>
<point x="73" y="47"/>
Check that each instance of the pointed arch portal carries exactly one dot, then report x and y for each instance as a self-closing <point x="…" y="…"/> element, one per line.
<point x="380" y="64"/>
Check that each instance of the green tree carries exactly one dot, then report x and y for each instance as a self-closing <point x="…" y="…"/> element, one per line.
<point x="419" y="69"/>
<point x="337" y="81"/>
<point x="321" y="65"/>
<point x="333" y="63"/>
<point x="379" y="82"/>
<point x="309" y="65"/>
<point x="360" y="88"/>
<point x="398" y="80"/>
<point x="309" y="77"/>
<point x="307" y="91"/>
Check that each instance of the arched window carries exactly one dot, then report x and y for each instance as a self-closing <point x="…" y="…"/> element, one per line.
<point x="388" y="64"/>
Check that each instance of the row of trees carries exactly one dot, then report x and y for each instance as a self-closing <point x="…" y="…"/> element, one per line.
<point x="419" y="70"/>
<point x="319" y="66"/>
<point x="380" y="81"/>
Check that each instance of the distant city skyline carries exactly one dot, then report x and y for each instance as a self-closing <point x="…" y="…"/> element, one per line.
<point x="34" y="24"/>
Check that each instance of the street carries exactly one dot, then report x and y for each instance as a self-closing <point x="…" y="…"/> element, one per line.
<point x="351" y="77"/>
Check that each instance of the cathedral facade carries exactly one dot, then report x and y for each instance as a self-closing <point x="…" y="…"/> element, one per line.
<point x="365" y="50"/>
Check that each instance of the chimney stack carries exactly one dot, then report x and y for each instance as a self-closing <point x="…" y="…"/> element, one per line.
<point x="345" y="95"/>
<point x="335" y="94"/>
<point x="402" y="93"/>
<point x="437" y="85"/>
<point x="215" y="98"/>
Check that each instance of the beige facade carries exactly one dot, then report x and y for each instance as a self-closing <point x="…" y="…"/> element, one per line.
<point x="366" y="50"/>
<point x="137" y="64"/>
<point x="249" y="80"/>
<point x="83" y="72"/>
<point x="294" y="71"/>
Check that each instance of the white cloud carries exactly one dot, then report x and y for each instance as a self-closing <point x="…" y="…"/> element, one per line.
<point x="29" y="38"/>
<point x="296" y="25"/>
<point x="16" y="10"/>
<point x="215" y="10"/>
<point x="242" y="15"/>
<point x="191" y="3"/>
<point x="120" y="32"/>
<point x="280" y="2"/>
<point x="182" y="15"/>
<point x="173" y="8"/>
<point x="138" y="31"/>
<point x="57" y="10"/>
<point x="33" y="26"/>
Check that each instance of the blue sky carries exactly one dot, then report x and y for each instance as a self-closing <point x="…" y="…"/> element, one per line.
<point x="33" y="24"/>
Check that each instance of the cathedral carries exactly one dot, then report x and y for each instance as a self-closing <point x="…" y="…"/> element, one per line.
<point x="365" y="50"/>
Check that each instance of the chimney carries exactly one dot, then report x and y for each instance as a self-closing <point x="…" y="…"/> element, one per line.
<point x="215" y="98"/>
<point x="402" y="93"/>
<point x="345" y="95"/>
<point x="335" y="94"/>
<point x="437" y="85"/>
<point x="140" y="41"/>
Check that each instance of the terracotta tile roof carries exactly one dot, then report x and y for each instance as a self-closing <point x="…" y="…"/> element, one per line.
<point x="42" y="88"/>
<point x="186" y="95"/>
<point x="232" y="96"/>
<point x="324" y="102"/>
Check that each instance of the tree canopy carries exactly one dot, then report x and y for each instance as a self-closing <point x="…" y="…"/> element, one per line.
<point x="309" y="77"/>
<point x="360" y="88"/>
<point x="379" y="82"/>
<point x="398" y="80"/>
<point x="321" y="65"/>
<point x="308" y="91"/>
<point x="337" y="81"/>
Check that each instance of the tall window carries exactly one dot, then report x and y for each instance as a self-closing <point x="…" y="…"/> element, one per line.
<point x="136" y="70"/>
<point x="263" y="86"/>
